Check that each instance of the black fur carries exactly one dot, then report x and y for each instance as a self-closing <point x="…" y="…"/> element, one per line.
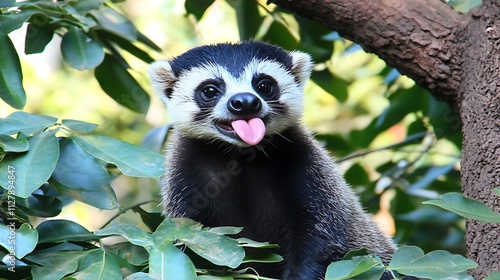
<point x="234" y="57"/>
<point x="283" y="194"/>
<point x="286" y="190"/>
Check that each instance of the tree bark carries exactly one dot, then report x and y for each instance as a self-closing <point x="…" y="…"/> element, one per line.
<point x="480" y="114"/>
<point x="417" y="37"/>
<point x="454" y="56"/>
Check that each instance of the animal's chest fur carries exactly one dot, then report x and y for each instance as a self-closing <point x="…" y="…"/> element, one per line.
<point x="290" y="193"/>
<point x="254" y="193"/>
<point x="264" y="192"/>
<point x="253" y="200"/>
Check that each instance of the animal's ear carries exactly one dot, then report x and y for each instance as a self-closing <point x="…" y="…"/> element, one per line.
<point x="301" y="66"/>
<point x="162" y="78"/>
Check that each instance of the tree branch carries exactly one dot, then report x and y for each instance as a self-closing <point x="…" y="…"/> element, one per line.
<point x="418" y="37"/>
<point x="480" y="113"/>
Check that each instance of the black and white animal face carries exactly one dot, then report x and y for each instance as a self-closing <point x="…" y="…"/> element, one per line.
<point x="237" y="93"/>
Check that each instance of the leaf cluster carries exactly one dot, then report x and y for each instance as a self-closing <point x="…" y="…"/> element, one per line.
<point x="164" y="252"/>
<point x="44" y="165"/>
<point x="407" y="260"/>
<point x="46" y="171"/>
<point x="93" y="36"/>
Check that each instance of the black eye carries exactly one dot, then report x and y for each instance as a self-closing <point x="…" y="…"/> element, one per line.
<point x="209" y="92"/>
<point x="265" y="87"/>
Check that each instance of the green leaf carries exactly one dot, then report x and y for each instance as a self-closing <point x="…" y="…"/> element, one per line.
<point x="357" y="268"/>
<point x="312" y="39"/>
<point x="85" y="6"/>
<point x="464" y="6"/>
<point x="410" y="260"/>
<point x="429" y="215"/>
<point x="7" y="3"/>
<point x="114" y="22"/>
<point x="140" y="276"/>
<point x="171" y="229"/>
<point x="497" y="191"/>
<point x="130" y="159"/>
<point x="245" y="273"/>
<point x="82" y="177"/>
<point x="466" y="207"/>
<point x="167" y="262"/>
<point x="356" y="253"/>
<point x="335" y="143"/>
<point x="55" y="265"/>
<point x="331" y="84"/>
<point x="14" y="21"/>
<point x="40" y="205"/>
<point x="197" y="8"/>
<point x="26" y="123"/>
<point x="97" y="265"/>
<point x="11" y="76"/>
<point x="151" y="219"/>
<point x="132" y="233"/>
<point x="218" y="249"/>
<point x="374" y="273"/>
<point x="117" y="82"/>
<point x="62" y="231"/>
<point x="493" y="276"/>
<point x="245" y="242"/>
<point x="117" y="55"/>
<point x="146" y="41"/>
<point x="226" y="230"/>
<point x="135" y="255"/>
<point x="65" y="246"/>
<point x="125" y="44"/>
<point x="278" y="34"/>
<point x="56" y="14"/>
<point x="262" y="257"/>
<point x="37" y="37"/>
<point x="228" y="277"/>
<point x="79" y="126"/>
<point x="445" y="121"/>
<point x="402" y="102"/>
<point x="81" y="51"/>
<point x="155" y="138"/>
<point x="46" y="16"/>
<point x="248" y="18"/>
<point x="16" y="145"/>
<point x="21" y="241"/>
<point x="33" y="168"/>
<point x="432" y="174"/>
<point x="356" y="175"/>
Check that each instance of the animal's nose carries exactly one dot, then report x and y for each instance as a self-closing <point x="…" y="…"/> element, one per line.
<point x="244" y="104"/>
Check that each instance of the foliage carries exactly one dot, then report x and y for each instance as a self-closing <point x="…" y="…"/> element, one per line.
<point x="87" y="28"/>
<point x="466" y="207"/>
<point x="407" y="260"/>
<point x="464" y="5"/>
<point x="161" y="249"/>
<point x="392" y="151"/>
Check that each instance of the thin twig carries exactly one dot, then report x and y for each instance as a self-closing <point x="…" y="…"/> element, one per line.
<point x="388" y="147"/>
<point x="123" y="210"/>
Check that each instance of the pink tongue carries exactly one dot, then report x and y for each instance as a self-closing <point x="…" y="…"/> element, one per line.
<point x="251" y="131"/>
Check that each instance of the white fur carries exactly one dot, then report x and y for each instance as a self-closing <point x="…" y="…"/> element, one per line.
<point x="182" y="106"/>
<point x="161" y="75"/>
<point x="302" y="66"/>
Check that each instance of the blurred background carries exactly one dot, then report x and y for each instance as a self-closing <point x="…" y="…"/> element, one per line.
<point x="397" y="145"/>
